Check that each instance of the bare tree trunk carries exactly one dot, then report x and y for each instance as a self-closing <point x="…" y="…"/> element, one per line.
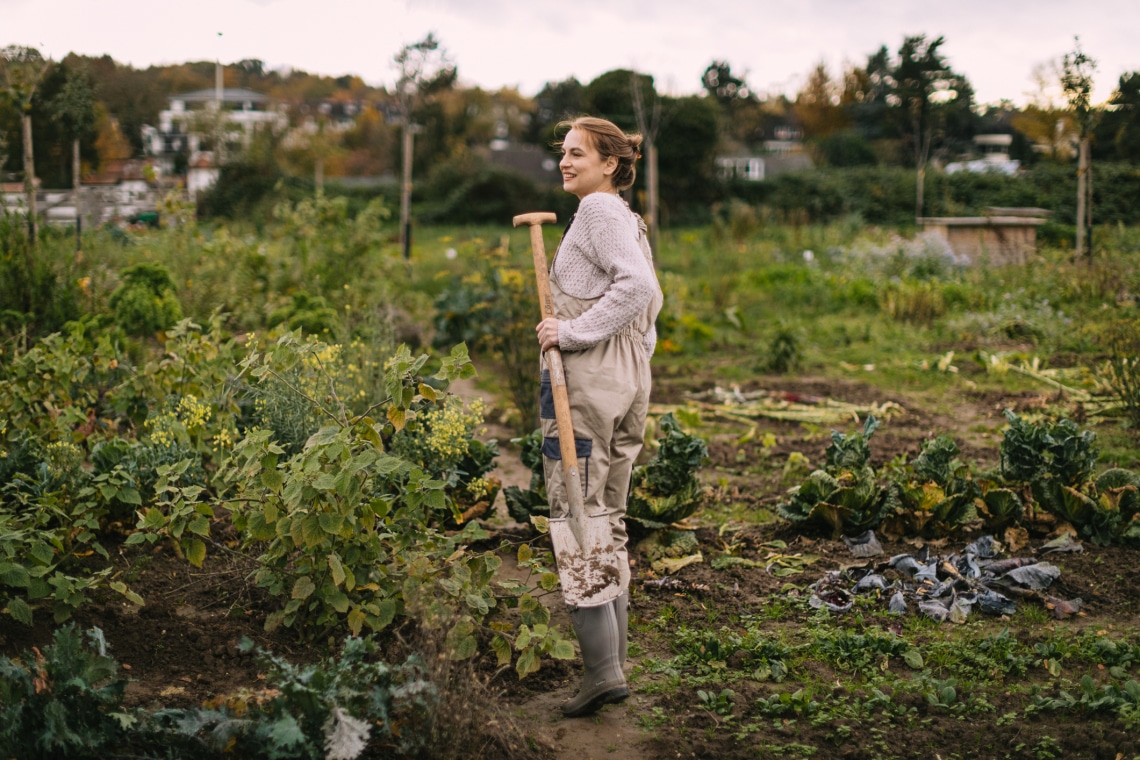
<point x="1088" y="210"/>
<point x="651" y="180"/>
<point x="919" y="194"/>
<point x="75" y="191"/>
<point x="29" y="183"/>
<point x="1082" y="197"/>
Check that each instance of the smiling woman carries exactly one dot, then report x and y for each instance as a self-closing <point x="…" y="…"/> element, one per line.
<point x="606" y="298"/>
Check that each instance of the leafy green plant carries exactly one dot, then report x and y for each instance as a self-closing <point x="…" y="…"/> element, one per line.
<point x="1055" y="462"/>
<point x="1122" y="372"/>
<point x="494" y="310"/>
<point x="309" y="313"/>
<point x="666" y="489"/>
<point x="717" y="702"/>
<point x="845" y="495"/>
<point x="784" y="350"/>
<point x="800" y="702"/>
<point x="1094" y="699"/>
<point x="847" y="649"/>
<point x="936" y="493"/>
<point x="146" y="302"/>
<point x="65" y="701"/>
<point x="1059" y="450"/>
<point x="334" y="708"/>
<point x="999" y="507"/>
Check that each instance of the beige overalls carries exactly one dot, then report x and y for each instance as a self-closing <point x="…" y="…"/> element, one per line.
<point x="608" y="385"/>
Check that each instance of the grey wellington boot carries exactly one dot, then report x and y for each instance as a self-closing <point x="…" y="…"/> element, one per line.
<point x="602" y="682"/>
<point x="621" y="609"/>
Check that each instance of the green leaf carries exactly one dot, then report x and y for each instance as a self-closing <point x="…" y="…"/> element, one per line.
<point x="331" y="522"/>
<point x="43" y="553"/>
<point x="502" y="650"/>
<point x="199" y="525"/>
<point x="20" y="611"/>
<point x="311" y="532"/>
<point x="323" y="437"/>
<point x="913" y="658"/>
<point x="548" y="581"/>
<point x="337" y="569"/>
<point x="540" y="523"/>
<point x="562" y="650"/>
<point x="303" y="588"/>
<point x="528" y="663"/>
<point x="356" y="621"/>
<point x="387" y="613"/>
<point x="273" y="480"/>
<point x="465" y="647"/>
<point x="525" y="554"/>
<point x="121" y="588"/>
<point x="477" y="603"/>
<point x="14" y="575"/>
<point x="195" y="551"/>
<point x="154" y="519"/>
<point x="129" y="495"/>
<point x="338" y="601"/>
<point x="388" y="465"/>
<point x="258" y="528"/>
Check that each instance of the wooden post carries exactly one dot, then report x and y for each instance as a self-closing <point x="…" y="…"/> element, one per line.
<point x="406" y="191"/>
<point x="29" y="182"/>
<point x="1082" y="197"/>
<point x="75" y="193"/>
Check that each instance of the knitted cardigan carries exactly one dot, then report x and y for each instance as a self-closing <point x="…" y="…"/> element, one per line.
<point x="602" y="256"/>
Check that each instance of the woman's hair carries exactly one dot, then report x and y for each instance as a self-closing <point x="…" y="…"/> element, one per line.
<point x="609" y="140"/>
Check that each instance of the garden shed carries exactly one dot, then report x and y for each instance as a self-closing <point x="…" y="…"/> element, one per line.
<point x="1002" y="236"/>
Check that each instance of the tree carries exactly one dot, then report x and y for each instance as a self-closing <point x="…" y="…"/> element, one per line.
<point x="425" y="69"/>
<point x="23" y="68"/>
<point x="74" y="109"/>
<point x="1076" y="80"/>
<point x="924" y="89"/>
<point x="555" y="102"/>
<point x="817" y="105"/>
<point x="866" y="91"/>
<point x="1118" y="132"/>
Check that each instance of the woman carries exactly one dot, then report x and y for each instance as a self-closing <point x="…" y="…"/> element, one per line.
<point x="606" y="296"/>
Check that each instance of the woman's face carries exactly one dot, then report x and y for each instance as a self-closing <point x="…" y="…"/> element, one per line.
<point x="583" y="169"/>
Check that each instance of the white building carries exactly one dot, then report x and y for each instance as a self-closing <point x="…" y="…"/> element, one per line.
<point x="994" y="150"/>
<point x="182" y="141"/>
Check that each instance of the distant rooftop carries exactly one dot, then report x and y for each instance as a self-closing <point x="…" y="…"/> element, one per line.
<point x="229" y="95"/>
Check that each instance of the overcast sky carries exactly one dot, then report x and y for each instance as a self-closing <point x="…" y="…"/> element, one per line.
<point x="525" y="43"/>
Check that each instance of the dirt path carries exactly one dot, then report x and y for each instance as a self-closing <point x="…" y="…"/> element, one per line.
<point x="614" y="731"/>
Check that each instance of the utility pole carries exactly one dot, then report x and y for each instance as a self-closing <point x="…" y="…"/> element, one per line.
<point x="409" y="131"/>
<point x="424" y="69"/>
<point x="649" y="125"/>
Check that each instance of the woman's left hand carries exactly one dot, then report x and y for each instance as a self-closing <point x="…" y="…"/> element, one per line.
<point x="547" y="331"/>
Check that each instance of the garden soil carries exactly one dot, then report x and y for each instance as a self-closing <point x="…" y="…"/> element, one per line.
<point x="181" y="648"/>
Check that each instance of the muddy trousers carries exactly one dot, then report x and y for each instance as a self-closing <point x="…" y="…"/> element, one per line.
<point x="608" y="388"/>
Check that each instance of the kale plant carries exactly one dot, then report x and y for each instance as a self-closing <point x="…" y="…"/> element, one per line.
<point x="63" y="702"/>
<point x="666" y="489"/>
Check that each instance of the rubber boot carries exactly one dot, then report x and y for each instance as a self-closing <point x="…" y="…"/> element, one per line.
<point x="621" y="609"/>
<point x="603" y="683"/>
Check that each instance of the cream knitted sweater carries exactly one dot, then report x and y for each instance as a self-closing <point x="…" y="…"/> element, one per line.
<point x="601" y="257"/>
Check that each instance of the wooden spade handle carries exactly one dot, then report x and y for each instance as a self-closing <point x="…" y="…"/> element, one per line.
<point x="562" y="417"/>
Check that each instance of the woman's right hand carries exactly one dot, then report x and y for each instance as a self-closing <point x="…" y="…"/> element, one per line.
<point x="547" y="331"/>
